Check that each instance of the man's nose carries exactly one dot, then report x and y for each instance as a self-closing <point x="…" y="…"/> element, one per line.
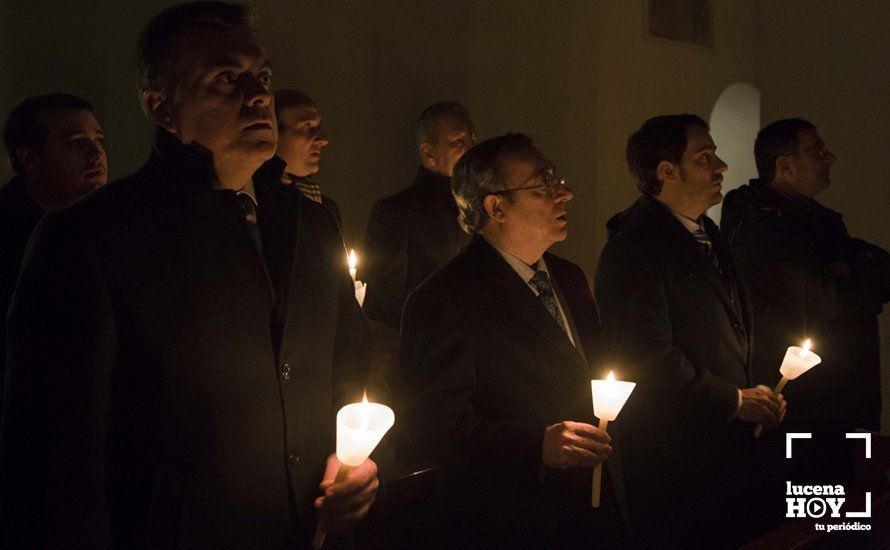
<point x="257" y="93"/>
<point x="564" y="193"/>
<point x="830" y="157"/>
<point x="721" y="166"/>
<point x="321" y="138"/>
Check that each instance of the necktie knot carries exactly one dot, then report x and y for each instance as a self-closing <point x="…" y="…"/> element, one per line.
<point x="541" y="282"/>
<point x="703" y="240"/>
<point x="248" y="207"/>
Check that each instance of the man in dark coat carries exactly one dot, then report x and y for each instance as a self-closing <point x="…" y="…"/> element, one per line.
<point x="414" y="232"/>
<point x="496" y="356"/>
<point x="678" y="324"/>
<point x="55" y="146"/>
<point x="179" y="340"/>
<point x="809" y="279"/>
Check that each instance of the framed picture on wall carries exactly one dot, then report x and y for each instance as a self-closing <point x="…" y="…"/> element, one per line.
<point x="687" y="21"/>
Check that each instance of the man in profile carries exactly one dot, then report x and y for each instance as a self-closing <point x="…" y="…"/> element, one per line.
<point x="56" y="148"/>
<point x="495" y="361"/>
<point x="179" y="340"/>
<point x="808" y="278"/>
<point x="300" y="143"/>
<point x="414" y="232"/>
<point x="678" y="323"/>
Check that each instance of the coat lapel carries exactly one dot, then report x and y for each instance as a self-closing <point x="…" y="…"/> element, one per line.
<point x="515" y="296"/>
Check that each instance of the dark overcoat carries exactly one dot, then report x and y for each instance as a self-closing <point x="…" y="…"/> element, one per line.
<point x="168" y="388"/>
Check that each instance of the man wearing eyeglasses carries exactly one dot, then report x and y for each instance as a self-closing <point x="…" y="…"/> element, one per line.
<point x="496" y="355"/>
<point x="809" y="279"/>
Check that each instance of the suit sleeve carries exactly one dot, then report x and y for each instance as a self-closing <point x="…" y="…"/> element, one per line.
<point x="442" y="423"/>
<point x="61" y="350"/>
<point x="386" y="260"/>
<point x="636" y="318"/>
<point x="778" y="264"/>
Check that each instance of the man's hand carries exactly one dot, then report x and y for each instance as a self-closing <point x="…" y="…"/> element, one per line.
<point x="575" y="445"/>
<point x="763" y="406"/>
<point x="348" y="501"/>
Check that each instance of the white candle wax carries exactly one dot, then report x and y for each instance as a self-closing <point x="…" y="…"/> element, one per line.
<point x="609" y="396"/>
<point x="798" y="361"/>
<point x="360" y="289"/>
<point x="360" y="427"/>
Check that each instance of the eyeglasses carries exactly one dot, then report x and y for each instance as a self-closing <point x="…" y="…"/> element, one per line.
<point x="819" y="152"/>
<point x="551" y="183"/>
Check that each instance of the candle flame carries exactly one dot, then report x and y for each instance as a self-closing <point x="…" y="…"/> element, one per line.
<point x="806" y="348"/>
<point x="611" y="377"/>
<point x="351" y="259"/>
<point x="364" y="412"/>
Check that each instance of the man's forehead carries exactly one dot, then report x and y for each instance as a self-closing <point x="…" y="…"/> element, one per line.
<point x="66" y="122"/>
<point x="449" y="125"/>
<point x="301" y="113"/>
<point x="527" y="164"/>
<point x="215" y="47"/>
<point x="808" y="137"/>
<point x="698" y="139"/>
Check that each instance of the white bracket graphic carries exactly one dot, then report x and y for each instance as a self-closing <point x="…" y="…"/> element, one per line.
<point x="867" y="437"/>
<point x="794" y="435"/>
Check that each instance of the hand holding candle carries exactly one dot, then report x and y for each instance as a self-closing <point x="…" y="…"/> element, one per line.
<point x="609" y="397"/>
<point x="797" y="361"/>
<point x="360" y="427"/>
<point x="360" y="287"/>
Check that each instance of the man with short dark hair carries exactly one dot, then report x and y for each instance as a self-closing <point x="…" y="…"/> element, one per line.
<point x="677" y="321"/>
<point x="414" y="232"/>
<point x="809" y="279"/>
<point x="180" y="340"/>
<point x="300" y="140"/>
<point x="56" y="148"/>
<point x="496" y="355"/>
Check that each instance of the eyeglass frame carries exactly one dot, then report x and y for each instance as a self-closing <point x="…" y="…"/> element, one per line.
<point x="551" y="184"/>
<point x="820" y="152"/>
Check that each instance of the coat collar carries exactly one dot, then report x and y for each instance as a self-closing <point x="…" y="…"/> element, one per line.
<point x="506" y="285"/>
<point x="651" y="213"/>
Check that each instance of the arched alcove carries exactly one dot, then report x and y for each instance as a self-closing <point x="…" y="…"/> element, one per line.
<point x="735" y="121"/>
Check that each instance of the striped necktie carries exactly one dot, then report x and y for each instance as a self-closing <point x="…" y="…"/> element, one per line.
<point x="701" y="237"/>
<point x="541" y="282"/>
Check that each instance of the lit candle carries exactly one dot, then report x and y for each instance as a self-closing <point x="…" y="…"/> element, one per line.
<point x="609" y="396"/>
<point x="360" y="287"/>
<point x="360" y="427"/>
<point x="353" y="262"/>
<point x="797" y="361"/>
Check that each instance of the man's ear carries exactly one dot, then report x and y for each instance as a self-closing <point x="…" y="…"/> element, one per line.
<point x="426" y="155"/>
<point x="666" y="171"/>
<point x="492" y="205"/>
<point x="159" y="108"/>
<point x="786" y="168"/>
<point x="28" y="158"/>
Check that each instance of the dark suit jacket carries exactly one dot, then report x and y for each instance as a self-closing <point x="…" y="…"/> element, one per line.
<point x="483" y="369"/>
<point x="19" y="214"/>
<point x="683" y="335"/>
<point x="410" y="235"/>
<point x="157" y="395"/>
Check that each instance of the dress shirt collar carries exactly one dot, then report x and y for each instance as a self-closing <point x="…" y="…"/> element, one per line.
<point x="691" y="225"/>
<point x="525" y="271"/>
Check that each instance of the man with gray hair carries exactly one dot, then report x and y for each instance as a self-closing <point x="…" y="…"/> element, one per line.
<point x="180" y="340"/>
<point x="412" y="233"/>
<point x="496" y="353"/>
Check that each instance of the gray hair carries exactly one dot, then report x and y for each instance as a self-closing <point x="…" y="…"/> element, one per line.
<point x="156" y="44"/>
<point x="428" y="125"/>
<point x="478" y="174"/>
